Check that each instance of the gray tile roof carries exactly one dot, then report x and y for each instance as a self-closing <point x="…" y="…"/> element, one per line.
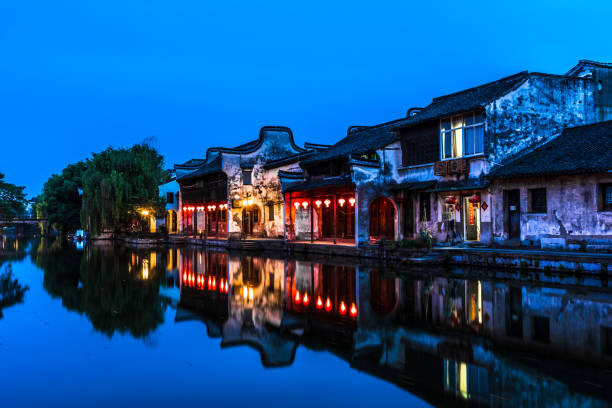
<point x="214" y="166"/>
<point x="366" y="139"/>
<point x="578" y="150"/>
<point x="316" y="184"/>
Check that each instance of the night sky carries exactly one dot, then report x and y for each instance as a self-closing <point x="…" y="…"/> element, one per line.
<point x="78" y="76"/>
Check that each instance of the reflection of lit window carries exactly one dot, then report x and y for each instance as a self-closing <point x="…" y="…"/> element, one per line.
<point x="145" y="269"/>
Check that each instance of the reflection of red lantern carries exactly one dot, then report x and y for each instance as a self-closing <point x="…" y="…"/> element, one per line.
<point x="297" y="298"/>
<point x="475" y="199"/>
<point x="305" y="299"/>
<point x="450" y="200"/>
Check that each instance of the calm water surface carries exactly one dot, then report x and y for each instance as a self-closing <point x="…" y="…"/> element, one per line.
<point x="104" y="325"/>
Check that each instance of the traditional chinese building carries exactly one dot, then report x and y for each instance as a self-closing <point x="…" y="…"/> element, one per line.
<point x="233" y="193"/>
<point x="450" y="146"/>
<point x="558" y="194"/>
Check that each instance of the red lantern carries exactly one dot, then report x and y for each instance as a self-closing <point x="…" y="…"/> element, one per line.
<point x="475" y="199"/>
<point x="328" y="305"/>
<point x="353" y="310"/>
<point x="319" y="303"/>
<point x="450" y="200"/>
<point x="305" y="299"/>
<point x="297" y="298"/>
<point x="342" y="308"/>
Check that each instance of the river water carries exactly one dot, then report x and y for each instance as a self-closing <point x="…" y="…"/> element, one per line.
<point x="108" y="325"/>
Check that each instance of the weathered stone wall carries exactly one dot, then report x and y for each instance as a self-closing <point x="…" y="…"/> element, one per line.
<point x="572" y="208"/>
<point x="265" y="188"/>
<point x="535" y="112"/>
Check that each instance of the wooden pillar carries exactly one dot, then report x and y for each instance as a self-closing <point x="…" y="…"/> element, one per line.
<point x="335" y="219"/>
<point x="311" y="222"/>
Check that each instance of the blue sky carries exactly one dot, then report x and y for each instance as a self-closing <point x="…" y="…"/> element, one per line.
<point x="78" y="76"/>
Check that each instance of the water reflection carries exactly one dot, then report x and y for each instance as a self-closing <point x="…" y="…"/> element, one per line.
<point x="116" y="288"/>
<point x="477" y="337"/>
<point x="442" y="338"/>
<point x="12" y="292"/>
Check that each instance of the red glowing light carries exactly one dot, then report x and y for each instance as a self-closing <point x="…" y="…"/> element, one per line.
<point x="306" y="299"/>
<point x="328" y="305"/>
<point x="305" y="204"/>
<point x="296" y="205"/>
<point x="214" y="283"/>
<point x="352" y="201"/>
<point x="341" y="202"/>
<point x="297" y="298"/>
<point x="318" y="203"/>
<point x="319" y="303"/>
<point x="184" y="276"/>
<point x="327" y="202"/>
<point x="342" y="308"/>
<point x="353" y="310"/>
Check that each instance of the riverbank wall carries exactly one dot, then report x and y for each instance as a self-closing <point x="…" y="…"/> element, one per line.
<point x="590" y="263"/>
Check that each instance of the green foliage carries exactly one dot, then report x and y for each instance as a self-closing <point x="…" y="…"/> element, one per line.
<point x="117" y="183"/>
<point x="103" y="285"/>
<point x="11" y="291"/>
<point x="60" y="201"/>
<point x="12" y="199"/>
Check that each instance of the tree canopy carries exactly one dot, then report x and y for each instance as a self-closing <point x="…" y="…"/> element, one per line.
<point x="61" y="200"/>
<point x="117" y="183"/>
<point x="106" y="191"/>
<point x="12" y="199"/>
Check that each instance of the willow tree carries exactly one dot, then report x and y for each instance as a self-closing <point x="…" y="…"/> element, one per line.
<point x="118" y="183"/>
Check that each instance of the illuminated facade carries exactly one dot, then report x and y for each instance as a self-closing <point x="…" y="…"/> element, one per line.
<point x="235" y="192"/>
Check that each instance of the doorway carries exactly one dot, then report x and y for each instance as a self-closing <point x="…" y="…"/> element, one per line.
<point x="513" y="212"/>
<point x="471" y="220"/>
<point x="408" y="217"/>
<point x="250" y="218"/>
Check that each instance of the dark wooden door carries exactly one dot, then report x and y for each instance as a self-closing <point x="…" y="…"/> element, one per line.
<point x="408" y="217"/>
<point x="513" y="203"/>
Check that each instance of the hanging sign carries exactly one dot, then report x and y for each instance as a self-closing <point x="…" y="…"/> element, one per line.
<point x="471" y="213"/>
<point x="484" y="206"/>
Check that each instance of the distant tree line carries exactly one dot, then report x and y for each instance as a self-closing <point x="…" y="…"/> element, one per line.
<point x="13" y="200"/>
<point x="105" y="192"/>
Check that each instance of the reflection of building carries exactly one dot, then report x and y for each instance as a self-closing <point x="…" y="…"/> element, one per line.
<point x="239" y="298"/>
<point x="442" y="338"/>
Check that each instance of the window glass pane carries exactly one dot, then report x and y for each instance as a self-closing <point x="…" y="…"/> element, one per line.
<point x="445" y="125"/>
<point x="457" y="122"/>
<point x="479" y="139"/>
<point x="469" y="141"/>
<point x="469" y="119"/>
<point x="447" y="145"/>
<point x="458" y="143"/>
